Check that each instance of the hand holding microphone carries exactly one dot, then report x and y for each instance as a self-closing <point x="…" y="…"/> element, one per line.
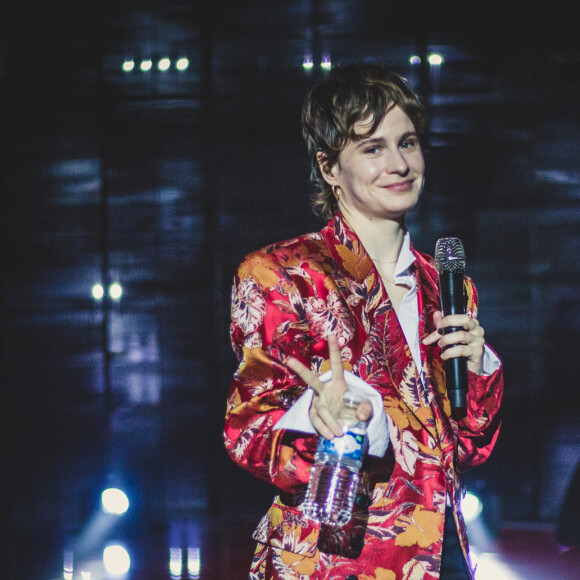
<point x="459" y="335"/>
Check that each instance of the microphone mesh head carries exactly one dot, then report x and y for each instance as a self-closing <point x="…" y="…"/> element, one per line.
<point x="449" y="255"/>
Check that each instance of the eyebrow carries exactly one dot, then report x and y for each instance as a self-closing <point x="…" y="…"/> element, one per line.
<point x="381" y="141"/>
<point x="370" y="141"/>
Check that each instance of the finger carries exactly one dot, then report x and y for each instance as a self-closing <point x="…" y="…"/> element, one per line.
<point x="320" y="426"/>
<point x="307" y="375"/>
<point x="335" y="358"/>
<point x="437" y="316"/>
<point x="364" y="411"/>
<point x="458" y="321"/>
<point x="461" y="337"/>
<point x="473" y="353"/>
<point x="435" y="335"/>
<point x="324" y="420"/>
<point x="475" y="336"/>
<point x="325" y="431"/>
<point x="432" y="338"/>
<point x="457" y="337"/>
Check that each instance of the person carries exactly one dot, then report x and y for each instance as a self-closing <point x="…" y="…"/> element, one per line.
<point x="358" y="299"/>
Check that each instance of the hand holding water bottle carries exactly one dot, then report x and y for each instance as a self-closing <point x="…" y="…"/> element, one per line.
<point x="339" y="416"/>
<point x="328" y="401"/>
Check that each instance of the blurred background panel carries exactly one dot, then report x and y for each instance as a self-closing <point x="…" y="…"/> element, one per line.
<point x="149" y="146"/>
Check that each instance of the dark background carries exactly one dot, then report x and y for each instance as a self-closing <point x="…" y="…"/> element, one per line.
<point x="163" y="181"/>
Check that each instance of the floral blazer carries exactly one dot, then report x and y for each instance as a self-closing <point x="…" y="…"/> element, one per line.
<point x="287" y="298"/>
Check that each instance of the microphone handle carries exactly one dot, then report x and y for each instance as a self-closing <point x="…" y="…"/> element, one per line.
<point x="456" y="382"/>
<point x="453" y="302"/>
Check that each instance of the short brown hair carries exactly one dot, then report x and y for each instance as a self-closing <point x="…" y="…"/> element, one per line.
<point x="350" y="94"/>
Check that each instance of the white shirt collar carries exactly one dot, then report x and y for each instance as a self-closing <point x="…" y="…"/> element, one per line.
<point x="406" y="258"/>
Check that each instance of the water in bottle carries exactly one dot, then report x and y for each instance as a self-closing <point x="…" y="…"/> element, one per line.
<point x="335" y="474"/>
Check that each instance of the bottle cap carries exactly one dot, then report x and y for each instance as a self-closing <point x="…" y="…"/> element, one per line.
<point x="352" y="399"/>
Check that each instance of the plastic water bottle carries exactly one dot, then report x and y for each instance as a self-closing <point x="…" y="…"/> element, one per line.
<point x="335" y="474"/>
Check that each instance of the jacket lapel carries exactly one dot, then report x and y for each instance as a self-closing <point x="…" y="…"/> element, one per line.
<point x="366" y="297"/>
<point x="364" y="293"/>
<point x="351" y="271"/>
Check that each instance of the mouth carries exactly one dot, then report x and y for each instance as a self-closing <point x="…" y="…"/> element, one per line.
<point x="401" y="186"/>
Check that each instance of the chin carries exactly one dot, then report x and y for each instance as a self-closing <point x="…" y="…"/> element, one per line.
<point x="399" y="212"/>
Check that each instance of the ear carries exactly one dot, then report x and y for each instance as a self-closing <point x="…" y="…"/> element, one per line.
<point x="328" y="173"/>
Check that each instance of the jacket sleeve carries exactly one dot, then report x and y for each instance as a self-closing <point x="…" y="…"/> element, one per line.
<point x="479" y="430"/>
<point x="268" y="325"/>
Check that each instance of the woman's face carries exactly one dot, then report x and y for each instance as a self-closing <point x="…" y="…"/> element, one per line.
<point x="380" y="176"/>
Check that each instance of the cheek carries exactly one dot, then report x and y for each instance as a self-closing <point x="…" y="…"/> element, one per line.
<point x="371" y="171"/>
<point x="363" y="175"/>
<point x="419" y="164"/>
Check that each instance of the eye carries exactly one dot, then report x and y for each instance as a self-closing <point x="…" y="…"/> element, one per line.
<point x="372" y="150"/>
<point x="409" y="143"/>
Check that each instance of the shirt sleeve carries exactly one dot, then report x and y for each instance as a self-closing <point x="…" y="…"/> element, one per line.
<point x="490" y="362"/>
<point x="298" y="419"/>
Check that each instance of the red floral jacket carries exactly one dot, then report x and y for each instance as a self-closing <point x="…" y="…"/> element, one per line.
<point x="287" y="298"/>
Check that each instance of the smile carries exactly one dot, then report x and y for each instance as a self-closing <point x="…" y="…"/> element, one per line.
<point x="401" y="186"/>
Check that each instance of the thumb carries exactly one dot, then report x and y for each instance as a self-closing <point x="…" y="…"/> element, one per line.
<point x="364" y="411"/>
<point x="437" y="316"/>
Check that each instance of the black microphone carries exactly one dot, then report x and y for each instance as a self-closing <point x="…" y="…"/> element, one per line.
<point x="450" y="264"/>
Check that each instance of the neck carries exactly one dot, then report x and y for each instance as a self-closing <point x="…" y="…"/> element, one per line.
<point x="382" y="238"/>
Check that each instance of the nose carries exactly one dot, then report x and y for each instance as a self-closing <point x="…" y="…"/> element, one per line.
<point x="395" y="162"/>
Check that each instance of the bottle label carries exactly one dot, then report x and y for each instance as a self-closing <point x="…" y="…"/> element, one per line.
<point x="351" y="445"/>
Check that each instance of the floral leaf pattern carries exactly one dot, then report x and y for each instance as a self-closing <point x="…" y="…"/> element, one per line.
<point x="248" y="306"/>
<point x="329" y="316"/>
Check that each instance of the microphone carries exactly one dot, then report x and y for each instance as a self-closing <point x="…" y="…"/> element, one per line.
<point x="450" y="264"/>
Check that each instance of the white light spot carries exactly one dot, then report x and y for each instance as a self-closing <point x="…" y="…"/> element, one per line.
<point x="490" y="567"/>
<point x="164" y="64"/>
<point x="182" y="64"/>
<point x="98" y="291"/>
<point x="116" y="560"/>
<point x="193" y="563"/>
<point x="175" y="563"/>
<point x="68" y="567"/>
<point x="435" y="59"/>
<point x="471" y="507"/>
<point x="115" y="291"/>
<point x="114" y="501"/>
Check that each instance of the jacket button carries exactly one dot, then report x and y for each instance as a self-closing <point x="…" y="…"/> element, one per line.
<point x="357" y="543"/>
<point x="362" y="501"/>
<point x="351" y="577"/>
